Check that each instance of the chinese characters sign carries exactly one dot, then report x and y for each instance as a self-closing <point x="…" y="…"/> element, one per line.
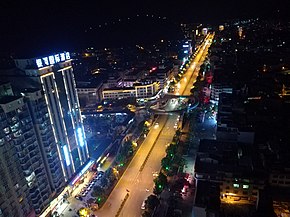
<point x="52" y="59"/>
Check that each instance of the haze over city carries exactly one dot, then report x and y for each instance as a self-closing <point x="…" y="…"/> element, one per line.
<point x="144" y="108"/>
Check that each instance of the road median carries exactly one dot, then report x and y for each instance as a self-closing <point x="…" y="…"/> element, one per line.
<point x="122" y="205"/>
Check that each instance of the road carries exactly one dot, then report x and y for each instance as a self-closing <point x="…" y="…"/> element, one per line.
<point x="137" y="181"/>
<point x="134" y="180"/>
<point x="192" y="72"/>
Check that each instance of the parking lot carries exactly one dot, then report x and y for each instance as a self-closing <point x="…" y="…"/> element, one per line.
<point x="86" y="189"/>
<point x="82" y="193"/>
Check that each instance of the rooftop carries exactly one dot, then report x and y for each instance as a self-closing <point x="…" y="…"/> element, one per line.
<point x="207" y="195"/>
<point x="8" y="99"/>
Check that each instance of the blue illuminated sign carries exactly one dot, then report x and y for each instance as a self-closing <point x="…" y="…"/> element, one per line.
<point x="80" y="136"/>
<point x="62" y="57"/>
<point x="82" y="172"/>
<point x="57" y="58"/>
<point x="45" y="61"/>
<point x="39" y="63"/>
<point x="66" y="155"/>
<point x="52" y="59"/>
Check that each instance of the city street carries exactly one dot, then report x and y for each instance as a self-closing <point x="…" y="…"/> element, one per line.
<point x="192" y="72"/>
<point x="134" y="181"/>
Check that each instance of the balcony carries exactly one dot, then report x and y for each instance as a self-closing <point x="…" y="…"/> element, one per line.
<point x="34" y="193"/>
<point x="26" y="165"/>
<point x="24" y="158"/>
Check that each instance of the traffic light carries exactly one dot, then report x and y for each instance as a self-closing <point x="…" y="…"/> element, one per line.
<point x="99" y="199"/>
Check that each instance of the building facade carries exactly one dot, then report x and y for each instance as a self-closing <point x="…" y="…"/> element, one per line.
<point x="46" y="141"/>
<point x="24" y="183"/>
<point x="55" y="74"/>
<point x="139" y="90"/>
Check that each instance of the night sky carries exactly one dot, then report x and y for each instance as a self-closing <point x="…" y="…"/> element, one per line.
<point x="47" y="26"/>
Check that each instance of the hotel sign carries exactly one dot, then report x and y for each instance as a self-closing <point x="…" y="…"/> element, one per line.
<point x="52" y="59"/>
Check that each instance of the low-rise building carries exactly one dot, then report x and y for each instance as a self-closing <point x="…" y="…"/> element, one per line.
<point x="139" y="90"/>
<point x="234" y="166"/>
<point x="217" y="89"/>
<point x="89" y="94"/>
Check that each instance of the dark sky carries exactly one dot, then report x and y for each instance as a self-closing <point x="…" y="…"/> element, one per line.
<point x="49" y="25"/>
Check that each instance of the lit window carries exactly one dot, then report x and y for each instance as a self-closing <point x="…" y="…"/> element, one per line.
<point x="236" y="185"/>
<point x="245" y="186"/>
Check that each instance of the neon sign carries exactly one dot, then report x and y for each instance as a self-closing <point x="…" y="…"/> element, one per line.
<point x="82" y="172"/>
<point x="66" y="155"/>
<point x="80" y="136"/>
<point x="52" y="59"/>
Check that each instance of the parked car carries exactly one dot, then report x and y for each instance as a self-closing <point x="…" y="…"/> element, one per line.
<point x="78" y="197"/>
<point x="143" y="205"/>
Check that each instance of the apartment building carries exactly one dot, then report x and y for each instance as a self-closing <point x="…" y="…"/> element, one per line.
<point x="55" y="75"/>
<point x="24" y="183"/>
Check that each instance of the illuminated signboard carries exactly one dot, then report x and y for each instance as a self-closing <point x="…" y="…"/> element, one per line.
<point x="52" y="59"/>
<point x="66" y="155"/>
<point x="78" y="176"/>
<point x="80" y="136"/>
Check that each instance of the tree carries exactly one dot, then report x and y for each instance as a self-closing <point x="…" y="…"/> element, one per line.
<point x="152" y="202"/>
<point x="104" y="181"/>
<point x="178" y="132"/>
<point x="146" y="214"/>
<point x="109" y="175"/>
<point x="165" y="162"/>
<point x="160" y="183"/>
<point x="97" y="191"/>
<point x="171" y="149"/>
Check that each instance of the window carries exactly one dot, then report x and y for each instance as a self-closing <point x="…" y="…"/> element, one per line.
<point x="245" y="192"/>
<point x="245" y="186"/>
<point x="237" y="185"/>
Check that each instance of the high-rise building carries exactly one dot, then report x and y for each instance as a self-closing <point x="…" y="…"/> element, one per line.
<point x="24" y="186"/>
<point x="55" y="74"/>
<point x="46" y="141"/>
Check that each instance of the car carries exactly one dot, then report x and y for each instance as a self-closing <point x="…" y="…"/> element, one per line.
<point x="156" y="125"/>
<point x="143" y="205"/>
<point x="77" y="197"/>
